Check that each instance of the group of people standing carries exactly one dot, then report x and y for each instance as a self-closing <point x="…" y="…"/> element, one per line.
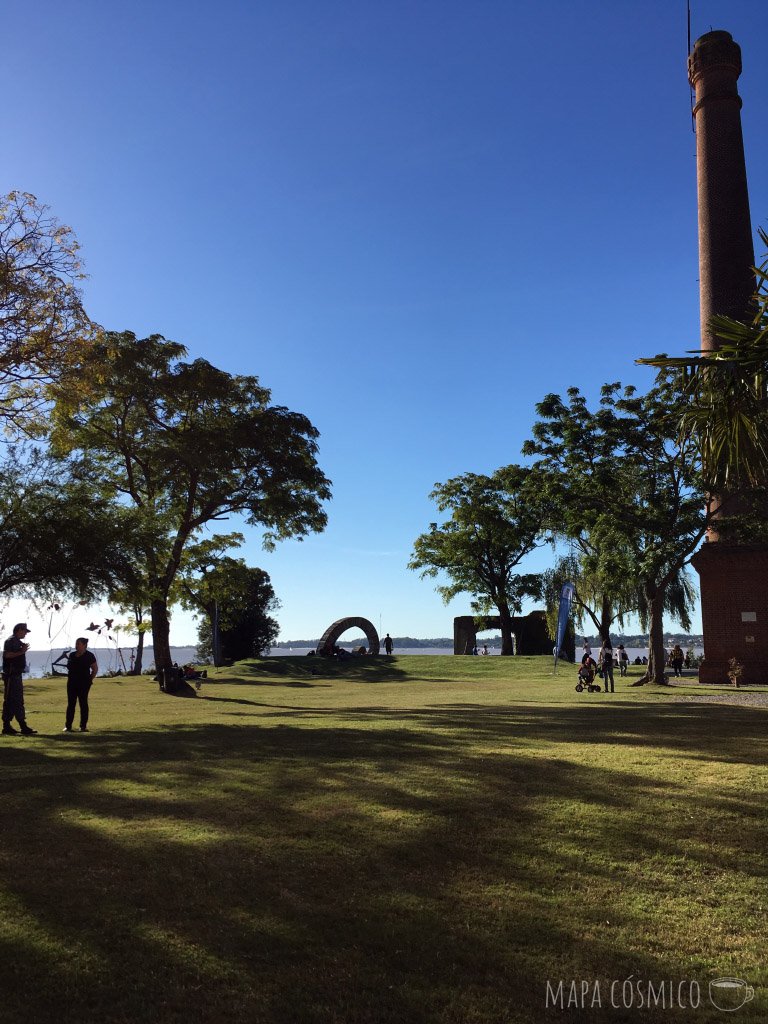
<point x="82" y="669"/>
<point x="606" y="660"/>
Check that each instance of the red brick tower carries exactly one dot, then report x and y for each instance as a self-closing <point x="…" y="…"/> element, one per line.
<point x="734" y="579"/>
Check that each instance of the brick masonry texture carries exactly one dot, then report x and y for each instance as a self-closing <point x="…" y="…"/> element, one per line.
<point x="734" y="605"/>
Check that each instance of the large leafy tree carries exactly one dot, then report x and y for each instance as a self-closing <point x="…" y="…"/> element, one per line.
<point x="624" y="482"/>
<point x="186" y="444"/>
<point x="492" y="523"/>
<point x="44" y="330"/>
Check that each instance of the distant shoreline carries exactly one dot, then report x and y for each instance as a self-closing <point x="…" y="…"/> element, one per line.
<point x="637" y="640"/>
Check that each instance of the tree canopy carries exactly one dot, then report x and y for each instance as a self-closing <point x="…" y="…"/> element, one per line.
<point x="44" y="330"/>
<point x="58" y="538"/>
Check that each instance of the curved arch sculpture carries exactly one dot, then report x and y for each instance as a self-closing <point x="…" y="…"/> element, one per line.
<point x="334" y="631"/>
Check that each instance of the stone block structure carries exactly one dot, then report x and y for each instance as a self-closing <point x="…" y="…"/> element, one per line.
<point x="530" y="631"/>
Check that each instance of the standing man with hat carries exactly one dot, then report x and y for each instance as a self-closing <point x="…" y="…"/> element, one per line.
<point x="14" y="663"/>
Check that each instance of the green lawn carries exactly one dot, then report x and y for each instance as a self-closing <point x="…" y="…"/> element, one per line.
<point x="407" y="840"/>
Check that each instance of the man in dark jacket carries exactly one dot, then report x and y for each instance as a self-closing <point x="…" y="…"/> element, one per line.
<point x="14" y="663"/>
<point x="81" y="671"/>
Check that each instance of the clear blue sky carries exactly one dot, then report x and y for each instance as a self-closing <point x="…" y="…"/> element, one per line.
<point x="410" y="219"/>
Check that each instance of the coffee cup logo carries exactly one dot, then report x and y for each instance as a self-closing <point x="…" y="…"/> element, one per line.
<point x="730" y="993"/>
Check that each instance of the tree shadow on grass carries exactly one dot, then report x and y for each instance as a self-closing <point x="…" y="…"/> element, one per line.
<point x="362" y="670"/>
<point x="347" y="874"/>
<point x="295" y="684"/>
<point x="234" y="700"/>
<point x="685" y="728"/>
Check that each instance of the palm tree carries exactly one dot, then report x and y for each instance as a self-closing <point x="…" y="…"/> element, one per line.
<point x="727" y="392"/>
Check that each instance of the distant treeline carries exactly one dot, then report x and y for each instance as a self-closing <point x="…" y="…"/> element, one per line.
<point x="361" y="641"/>
<point x="637" y="640"/>
<point x="641" y="640"/>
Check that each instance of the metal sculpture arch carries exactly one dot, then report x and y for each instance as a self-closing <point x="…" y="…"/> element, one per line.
<point x="334" y="631"/>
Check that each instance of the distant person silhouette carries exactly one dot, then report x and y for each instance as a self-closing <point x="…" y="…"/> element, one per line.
<point x="388" y="644"/>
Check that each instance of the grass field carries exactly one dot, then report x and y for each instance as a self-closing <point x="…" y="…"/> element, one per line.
<point x="390" y="841"/>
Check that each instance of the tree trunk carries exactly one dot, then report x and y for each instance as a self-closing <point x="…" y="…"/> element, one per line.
<point x="656" y="654"/>
<point x="606" y="618"/>
<point x="505" y="625"/>
<point x="161" y="637"/>
<point x="138" y="662"/>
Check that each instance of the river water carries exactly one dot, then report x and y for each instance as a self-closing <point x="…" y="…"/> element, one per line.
<point x="112" y="661"/>
<point x="633" y="652"/>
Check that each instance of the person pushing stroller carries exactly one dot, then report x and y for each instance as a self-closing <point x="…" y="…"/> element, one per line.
<point x="587" y="671"/>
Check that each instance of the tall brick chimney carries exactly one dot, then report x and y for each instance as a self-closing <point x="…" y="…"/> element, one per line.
<point x="734" y="595"/>
<point x="726" y="253"/>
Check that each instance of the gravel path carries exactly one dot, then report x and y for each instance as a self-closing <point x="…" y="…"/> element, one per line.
<point x="755" y="700"/>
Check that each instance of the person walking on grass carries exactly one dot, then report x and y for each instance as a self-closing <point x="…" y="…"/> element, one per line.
<point x="388" y="644"/>
<point x="676" y="659"/>
<point x="14" y="664"/>
<point x="81" y="671"/>
<point x="606" y="663"/>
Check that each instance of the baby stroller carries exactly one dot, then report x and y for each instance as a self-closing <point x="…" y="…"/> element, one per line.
<point x="587" y="677"/>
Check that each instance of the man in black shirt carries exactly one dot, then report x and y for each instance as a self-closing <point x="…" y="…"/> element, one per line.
<point x="14" y="663"/>
<point x="81" y="671"/>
